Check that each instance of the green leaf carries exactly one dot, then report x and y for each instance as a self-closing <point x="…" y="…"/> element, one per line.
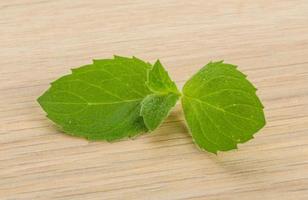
<point x="221" y="107"/>
<point x="156" y="107"/>
<point x="100" y="101"/>
<point x="159" y="80"/>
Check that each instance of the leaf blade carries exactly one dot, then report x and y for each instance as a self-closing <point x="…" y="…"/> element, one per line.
<point x="156" y="107"/>
<point x="226" y="106"/>
<point x="97" y="102"/>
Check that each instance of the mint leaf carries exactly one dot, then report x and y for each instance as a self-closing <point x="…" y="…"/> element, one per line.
<point x="221" y="107"/>
<point x="121" y="97"/>
<point x="156" y="107"/>
<point x="159" y="80"/>
<point x="100" y="101"/>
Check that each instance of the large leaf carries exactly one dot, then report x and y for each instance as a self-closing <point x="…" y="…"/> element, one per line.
<point x="156" y="107"/>
<point x="111" y="99"/>
<point x="101" y="101"/>
<point x="221" y="107"/>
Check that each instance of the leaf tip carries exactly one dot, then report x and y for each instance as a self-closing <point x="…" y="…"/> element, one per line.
<point x="157" y="64"/>
<point x="39" y="100"/>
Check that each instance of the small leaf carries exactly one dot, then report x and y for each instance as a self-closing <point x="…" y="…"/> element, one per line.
<point x="221" y="107"/>
<point x="100" y="101"/>
<point x="159" y="80"/>
<point x="156" y="107"/>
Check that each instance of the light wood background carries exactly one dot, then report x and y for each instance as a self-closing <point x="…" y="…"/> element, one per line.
<point x="41" y="40"/>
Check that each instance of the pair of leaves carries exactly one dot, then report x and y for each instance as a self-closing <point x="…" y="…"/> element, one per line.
<point x="123" y="97"/>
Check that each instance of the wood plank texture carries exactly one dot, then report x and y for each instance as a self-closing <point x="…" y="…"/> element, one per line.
<point x="41" y="40"/>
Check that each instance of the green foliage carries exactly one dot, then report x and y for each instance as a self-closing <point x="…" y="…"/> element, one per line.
<point x="155" y="108"/>
<point x="221" y="107"/>
<point x="117" y="98"/>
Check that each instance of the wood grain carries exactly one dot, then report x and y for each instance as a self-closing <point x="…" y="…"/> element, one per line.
<point x="41" y="40"/>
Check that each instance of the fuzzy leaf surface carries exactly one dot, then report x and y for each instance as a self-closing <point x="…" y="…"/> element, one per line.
<point x="156" y="107"/>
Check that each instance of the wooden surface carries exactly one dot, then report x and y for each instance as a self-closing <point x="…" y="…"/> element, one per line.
<point x="41" y="40"/>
